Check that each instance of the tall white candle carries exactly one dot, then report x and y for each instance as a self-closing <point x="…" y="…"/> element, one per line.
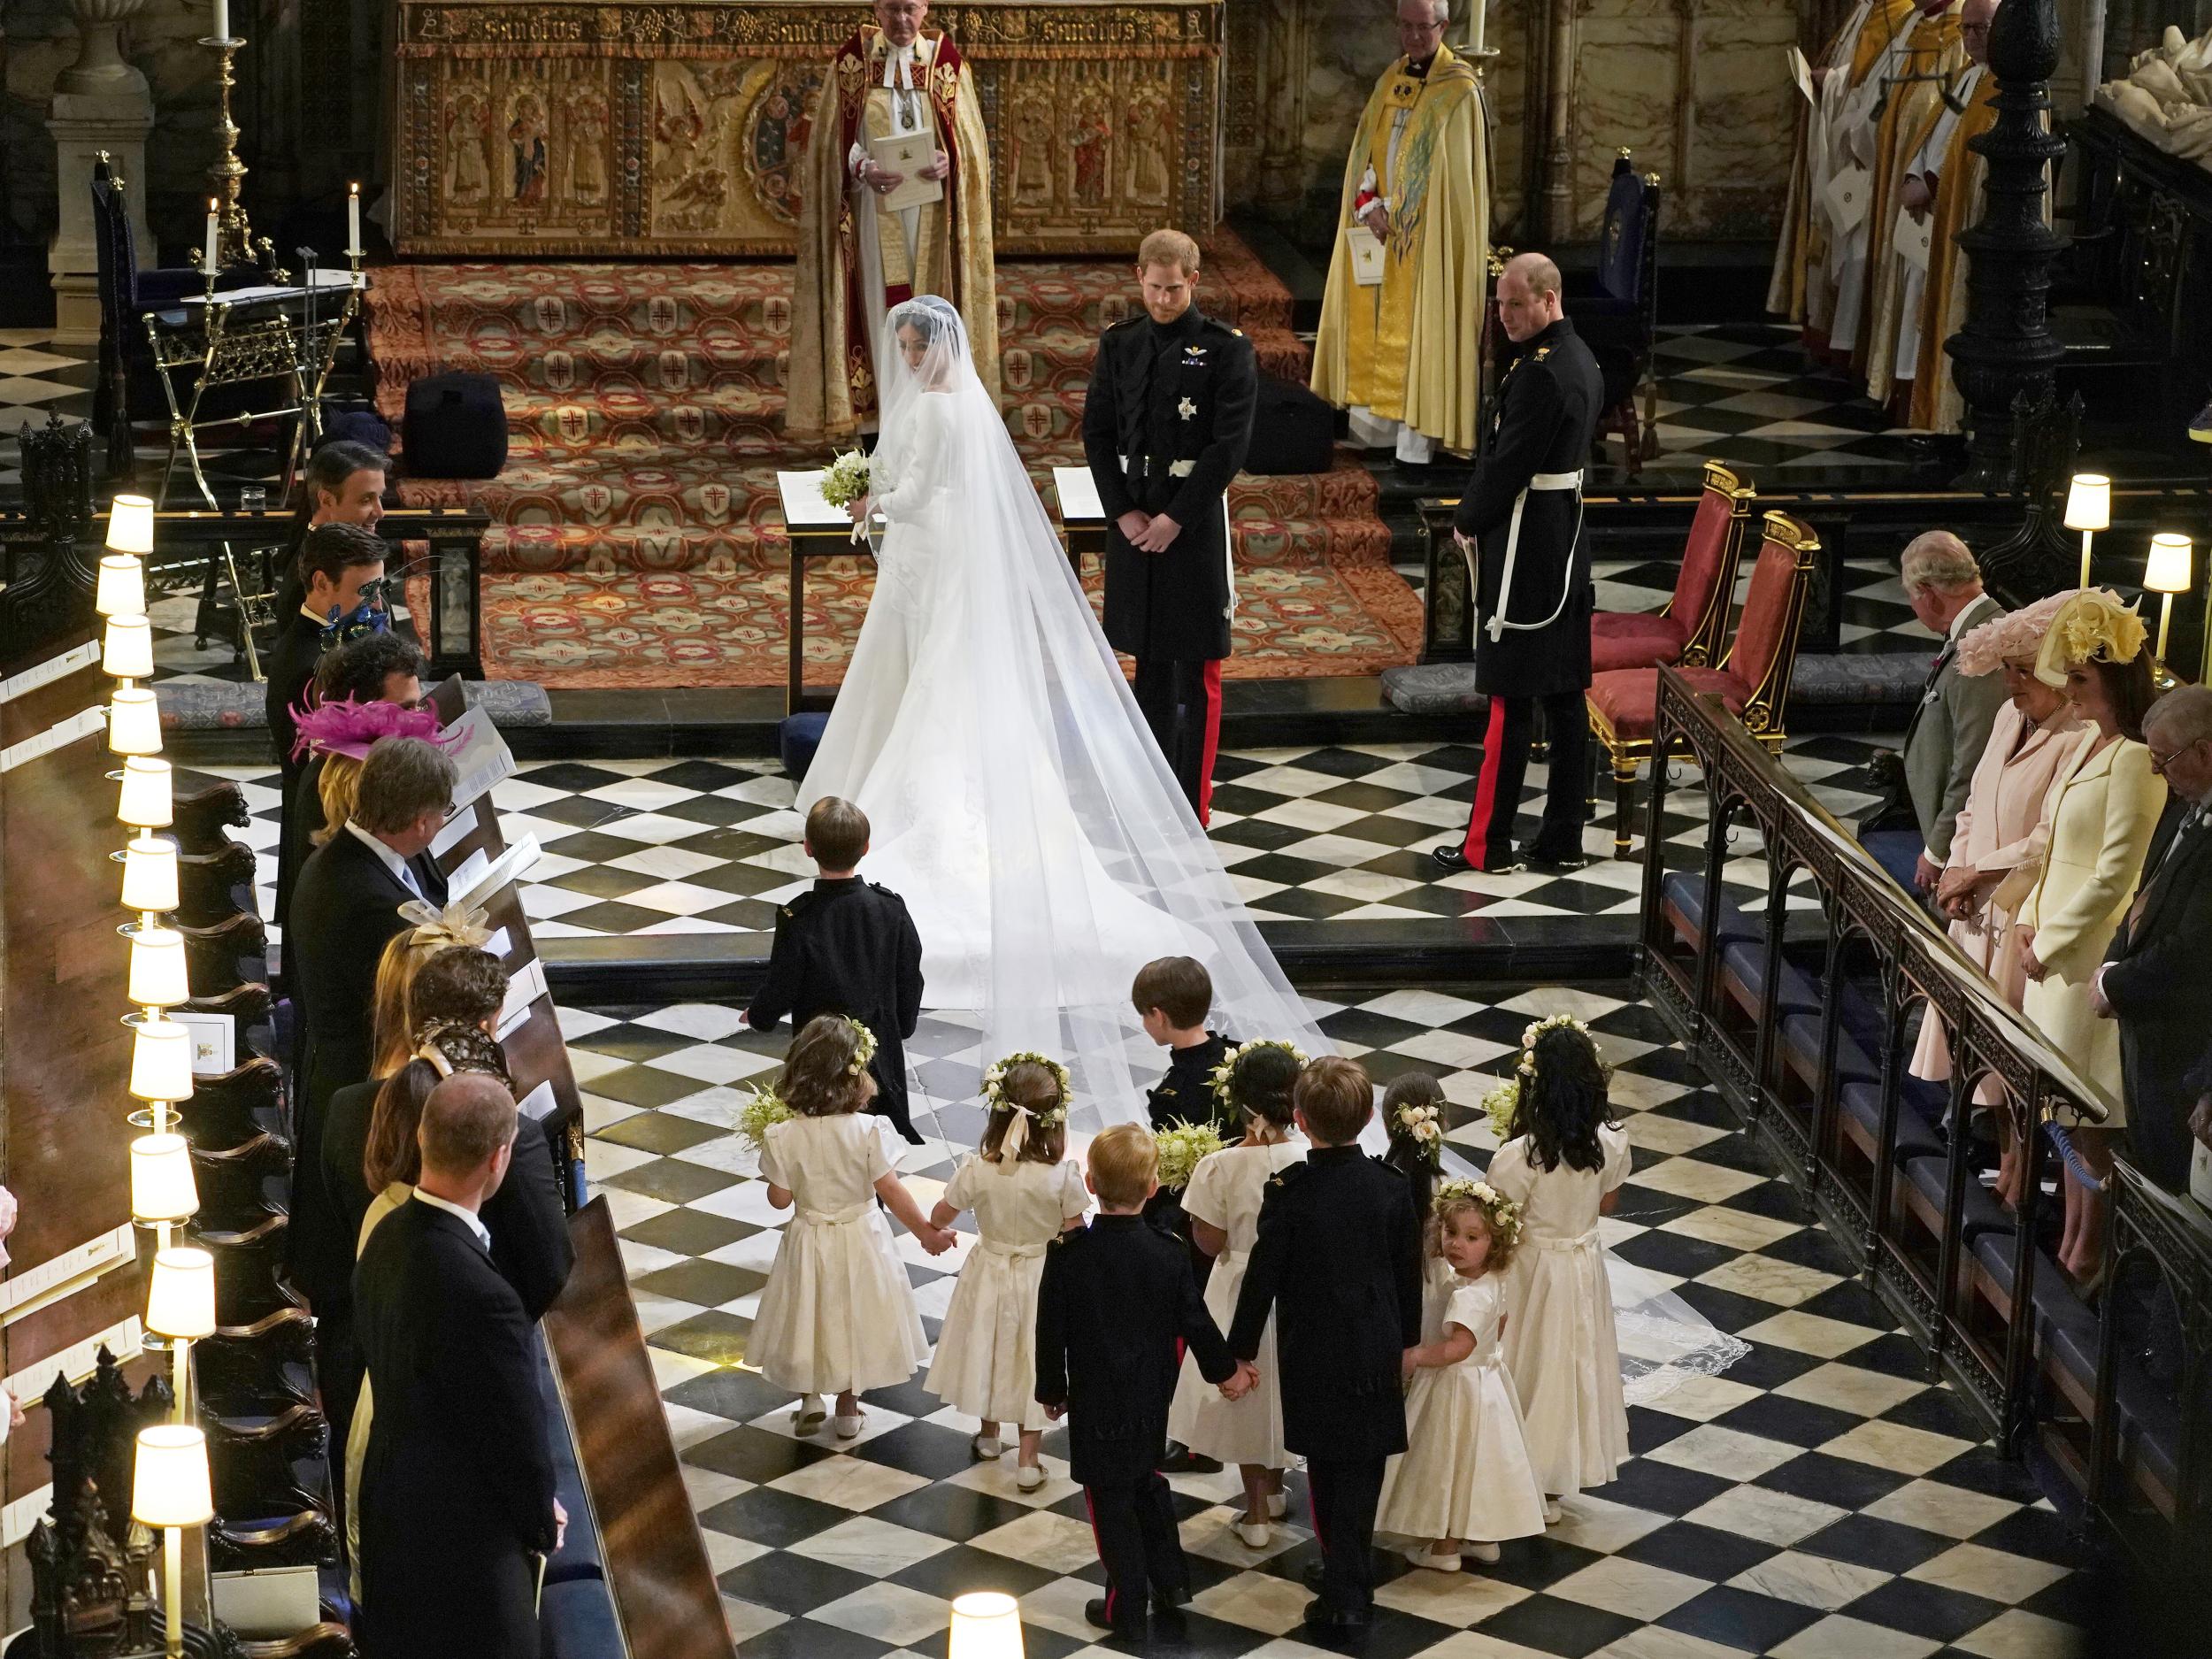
<point x="1474" y="27"/>
<point x="222" y="20"/>
<point x="213" y="223"/>
<point x="353" y="220"/>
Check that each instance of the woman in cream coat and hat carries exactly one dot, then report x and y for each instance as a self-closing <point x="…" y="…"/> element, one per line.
<point x="2099" y="815"/>
<point x="2000" y="829"/>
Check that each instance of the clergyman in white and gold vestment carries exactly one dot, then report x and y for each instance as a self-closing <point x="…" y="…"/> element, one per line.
<point x="861" y="249"/>
<point x="1401" y="317"/>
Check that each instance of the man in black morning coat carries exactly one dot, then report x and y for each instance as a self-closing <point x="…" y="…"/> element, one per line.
<point x="456" y="1500"/>
<point x="2157" y="975"/>
<point x="848" y="946"/>
<point x="1165" y="426"/>
<point x="1532" y="597"/>
<point x="1338" y="1261"/>
<point x="345" y="913"/>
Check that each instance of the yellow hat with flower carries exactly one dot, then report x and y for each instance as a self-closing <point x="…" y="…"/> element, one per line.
<point x="2093" y="626"/>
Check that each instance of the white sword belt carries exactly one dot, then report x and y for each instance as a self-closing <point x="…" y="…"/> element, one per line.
<point x="1142" y="466"/>
<point x="1497" y="625"/>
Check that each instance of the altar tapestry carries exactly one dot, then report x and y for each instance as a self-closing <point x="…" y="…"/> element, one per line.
<point x="581" y="128"/>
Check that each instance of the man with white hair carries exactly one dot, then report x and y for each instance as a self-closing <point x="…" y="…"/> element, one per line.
<point x="2156" y="979"/>
<point x="1950" y="724"/>
<point x="1401" y="317"/>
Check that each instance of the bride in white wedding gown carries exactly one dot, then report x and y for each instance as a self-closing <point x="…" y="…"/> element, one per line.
<point x="1017" y="801"/>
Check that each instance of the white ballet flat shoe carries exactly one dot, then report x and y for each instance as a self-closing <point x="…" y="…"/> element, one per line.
<point x="1255" y="1534"/>
<point x="1421" y="1558"/>
<point x="807" y="1417"/>
<point x="848" y="1427"/>
<point x="1278" y="1505"/>
<point x="1487" y="1553"/>
<point x="1028" y="1477"/>
<point x="1551" y="1510"/>
<point x="985" y="1447"/>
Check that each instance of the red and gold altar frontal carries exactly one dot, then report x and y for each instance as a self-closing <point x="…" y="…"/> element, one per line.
<point x="579" y="127"/>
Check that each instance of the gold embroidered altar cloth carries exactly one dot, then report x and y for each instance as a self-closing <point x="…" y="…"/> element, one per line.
<point x="612" y="130"/>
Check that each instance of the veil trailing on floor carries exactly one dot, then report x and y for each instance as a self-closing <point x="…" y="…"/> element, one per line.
<point x="1017" y="801"/>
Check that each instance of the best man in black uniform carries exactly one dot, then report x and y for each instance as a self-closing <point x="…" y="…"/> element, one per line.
<point x="848" y="946"/>
<point x="1165" y="426"/>
<point x="1533" y="599"/>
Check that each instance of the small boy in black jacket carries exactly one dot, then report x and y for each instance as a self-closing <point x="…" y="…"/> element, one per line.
<point x="848" y="946"/>
<point x="1116" y="1304"/>
<point x="1174" y="996"/>
<point x="1338" y="1262"/>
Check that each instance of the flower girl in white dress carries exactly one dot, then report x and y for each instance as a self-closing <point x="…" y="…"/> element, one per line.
<point x="1466" y="1473"/>
<point x="1222" y="1201"/>
<point x="1024" y="1194"/>
<point x="1564" y="1165"/>
<point x="837" y="1315"/>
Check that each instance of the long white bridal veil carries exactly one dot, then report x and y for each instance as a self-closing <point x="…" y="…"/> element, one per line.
<point x="1046" y="803"/>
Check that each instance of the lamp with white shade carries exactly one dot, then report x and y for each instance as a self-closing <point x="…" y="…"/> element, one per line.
<point x="134" y="722"/>
<point x="127" y="649"/>
<point x="2088" y="509"/>
<point x="169" y="1490"/>
<point x="149" y="875"/>
<point x="131" y="525"/>
<point x="2167" y="574"/>
<point x="985" y="1624"/>
<point x="162" y="1187"/>
<point x="157" y="976"/>
<point x="180" y="1311"/>
<point x="146" y="802"/>
<point x="161" y="1069"/>
<point x="122" y="589"/>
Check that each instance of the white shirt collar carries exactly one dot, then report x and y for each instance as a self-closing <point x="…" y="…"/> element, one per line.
<point x="389" y="859"/>
<point x="476" y="1223"/>
<point x="1958" y="622"/>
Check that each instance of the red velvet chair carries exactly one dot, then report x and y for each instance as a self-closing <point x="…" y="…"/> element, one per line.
<point x="1752" y="682"/>
<point x="1688" y="633"/>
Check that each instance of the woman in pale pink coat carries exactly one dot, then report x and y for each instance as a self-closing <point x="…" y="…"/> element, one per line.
<point x="2000" y="828"/>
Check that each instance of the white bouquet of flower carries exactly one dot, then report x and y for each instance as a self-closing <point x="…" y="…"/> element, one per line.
<point x="846" y="481"/>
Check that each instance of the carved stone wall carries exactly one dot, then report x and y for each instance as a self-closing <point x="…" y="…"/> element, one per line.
<point x="560" y="128"/>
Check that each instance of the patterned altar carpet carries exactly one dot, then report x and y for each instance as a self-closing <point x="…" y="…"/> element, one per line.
<point x="638" y="541"/>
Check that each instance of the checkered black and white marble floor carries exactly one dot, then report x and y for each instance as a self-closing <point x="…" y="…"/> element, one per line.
<point x="1820" y="1500"/>
<point x="1309" y="833"/>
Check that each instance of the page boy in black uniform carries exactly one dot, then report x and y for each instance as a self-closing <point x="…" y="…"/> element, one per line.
<point x="1115" y="1307"/>
<point x="1338" y="1262"/>
<point x="848" y="946"/>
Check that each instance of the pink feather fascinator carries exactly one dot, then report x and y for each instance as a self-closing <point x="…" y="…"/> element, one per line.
<point x="345" y="727"/>
<point x="2018" y="633"/>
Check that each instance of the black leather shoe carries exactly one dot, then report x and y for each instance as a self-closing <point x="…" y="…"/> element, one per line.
<point x="1447" y="859"/>
<point x="1164" y="1600"/>
<point x="1095" y="1613"/>
<point x="1337" y="1620"/>
<point x="1167" y="1611"/>
<point x="1537" y="857"/>
<point x="1311" y="1577"/>
<point x="1180" y="1460"/>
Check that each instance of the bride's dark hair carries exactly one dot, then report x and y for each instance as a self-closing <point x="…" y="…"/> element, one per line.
<point x="927" y="320"/>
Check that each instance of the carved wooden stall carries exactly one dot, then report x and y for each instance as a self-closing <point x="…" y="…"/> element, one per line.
<point x="615" y="130"/>
<point x="1804" y="1020"/>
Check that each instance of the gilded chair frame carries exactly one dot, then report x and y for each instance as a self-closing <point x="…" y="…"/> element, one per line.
<point x="1767" y="701"/>
<point x="1707" y="632"/>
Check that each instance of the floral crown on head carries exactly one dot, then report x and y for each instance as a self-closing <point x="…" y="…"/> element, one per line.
<point x="1044" y="1117"/>
<point x="2092" y="625"/>
<point x="865" y="1052"/>
<point x="1218" y="1078"/>
<point x="1502" y="1214"/>
<point x="1502" y="1103"/>
<point x="342" y="727"/>
<point x="1421" y="1122"/>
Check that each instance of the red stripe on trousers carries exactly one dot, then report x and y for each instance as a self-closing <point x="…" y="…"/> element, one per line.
<point x="1112" y="1589"/>
<point x="1213" y="742"/>
<point x="1476" y="849"/>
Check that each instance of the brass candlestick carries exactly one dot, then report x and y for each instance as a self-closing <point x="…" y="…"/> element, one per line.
<point x="235" y="244"/>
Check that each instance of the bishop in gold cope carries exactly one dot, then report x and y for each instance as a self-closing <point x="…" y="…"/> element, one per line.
<point x="1401" y="317"/>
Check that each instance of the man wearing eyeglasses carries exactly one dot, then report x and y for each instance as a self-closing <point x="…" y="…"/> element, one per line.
<point x="2156" y="979"/>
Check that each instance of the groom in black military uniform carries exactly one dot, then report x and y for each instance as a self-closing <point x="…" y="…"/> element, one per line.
<point x="1520" y="523"/>
<point x="1165" y="426"/>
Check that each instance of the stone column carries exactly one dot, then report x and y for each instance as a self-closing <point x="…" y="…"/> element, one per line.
<point x="2007" y="347"/>
<point x="100" y="103"/>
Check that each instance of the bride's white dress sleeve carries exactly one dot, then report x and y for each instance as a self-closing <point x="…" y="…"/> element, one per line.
<point x="919" y="470"/>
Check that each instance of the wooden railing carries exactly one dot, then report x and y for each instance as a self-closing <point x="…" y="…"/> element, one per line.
<point x="1805" y="1020"/>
